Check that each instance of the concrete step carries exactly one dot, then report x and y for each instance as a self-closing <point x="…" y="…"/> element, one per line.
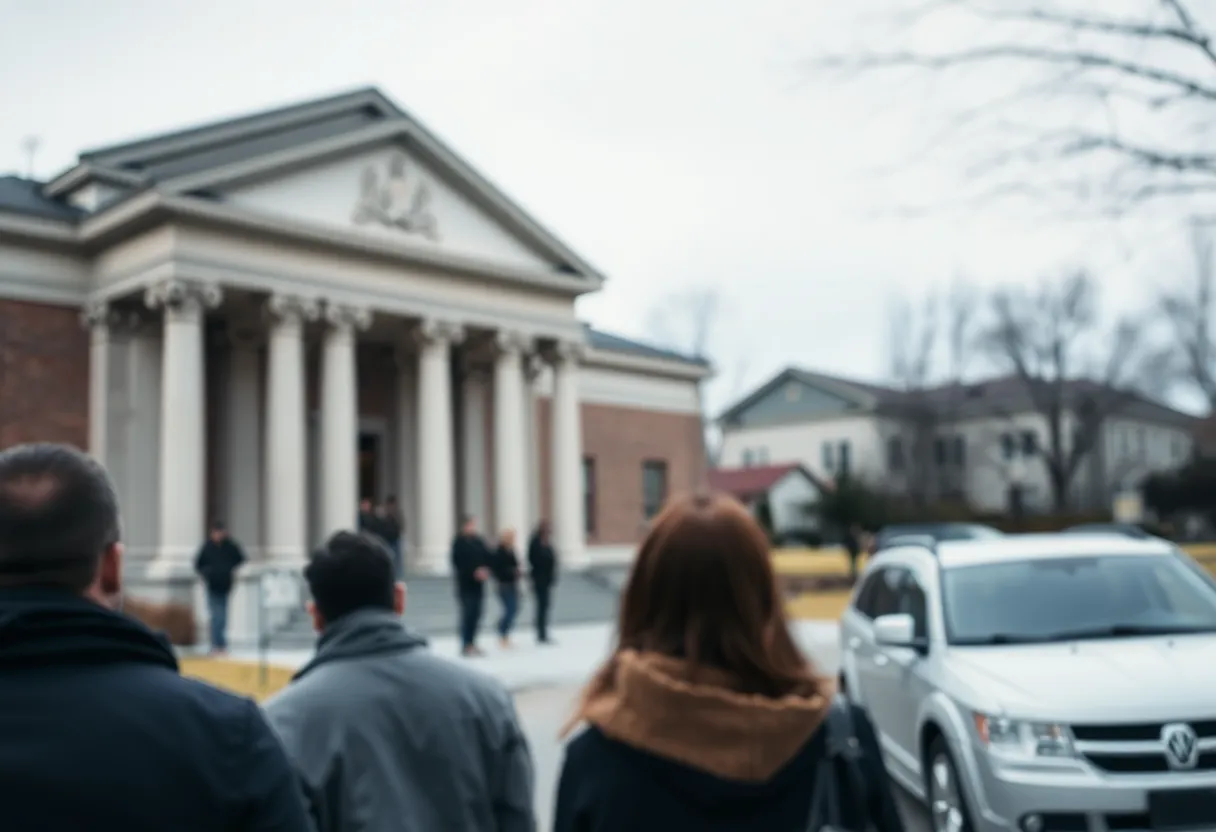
<point x="431" y="609"/>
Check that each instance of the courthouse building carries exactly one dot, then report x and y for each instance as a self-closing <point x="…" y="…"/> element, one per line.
<point x="291" y="310"/>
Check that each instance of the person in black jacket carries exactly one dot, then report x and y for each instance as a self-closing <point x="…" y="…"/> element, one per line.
<point x="99" y="729"/>
<point x="505" y="568"/>
<point x="707" y="716"/>
<point x="542" y="569"/>
<point x="471" y="567"/>
<point x="216" y="563"/>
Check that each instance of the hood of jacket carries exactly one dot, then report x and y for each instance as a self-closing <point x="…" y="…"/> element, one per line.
<point x="47" y="627"/>
<point x="359" y="634"/>
<point x="699" y="718"/>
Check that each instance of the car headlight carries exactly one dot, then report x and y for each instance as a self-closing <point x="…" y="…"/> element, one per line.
<point x="1023" y="738"/>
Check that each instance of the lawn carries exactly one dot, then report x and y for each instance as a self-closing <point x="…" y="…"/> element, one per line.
<point x="239" y="677"/>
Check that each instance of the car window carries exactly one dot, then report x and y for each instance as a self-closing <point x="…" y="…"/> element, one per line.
<point x="888" y="591"/>
<point x="865" y="596"/>
<point x="912" y="602"/>
<point x="1062" y="598"/>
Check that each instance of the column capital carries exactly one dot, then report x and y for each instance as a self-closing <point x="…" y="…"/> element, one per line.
<point x="183" y="296"/>
<point x="98" y="314"/>
<point x="567" y="352"/>
<point x="511" y="341"/>
<point x="534" y="365"/>
<point x="284" y="308"/>
<point x="435" y="330"/>
<point x="347" y="317"/>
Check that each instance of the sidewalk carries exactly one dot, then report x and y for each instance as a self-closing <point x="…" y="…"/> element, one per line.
<point x="577" y="651"/>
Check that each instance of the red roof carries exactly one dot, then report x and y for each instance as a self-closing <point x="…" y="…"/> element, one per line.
<point x="745" y="483"/>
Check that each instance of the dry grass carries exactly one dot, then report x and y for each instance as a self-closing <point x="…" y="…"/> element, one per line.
<point x="817" y="606"/>
<point x="243" y="678"/>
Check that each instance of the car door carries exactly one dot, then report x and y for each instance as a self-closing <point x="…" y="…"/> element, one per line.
<point x="856" y="646"/>
<point x="905" y="683"/>
<point x="873" y="663"/>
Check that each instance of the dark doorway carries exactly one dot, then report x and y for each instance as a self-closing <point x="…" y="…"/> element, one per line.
<point x="369" y="466"/>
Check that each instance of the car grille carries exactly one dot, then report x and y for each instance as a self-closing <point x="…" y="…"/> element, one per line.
<point x="1137" y="748"/>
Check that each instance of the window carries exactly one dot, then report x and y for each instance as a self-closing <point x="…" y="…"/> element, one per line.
<point x="1177" y="449"/>
<point x="960" y="451"/>
<point x="829" y="456"/>
<point x="1141" y="443"/>
<point x="654" y="486"/>
<point x="589" y="495"/>
<point x="886" y="597"/>
<point x="842" y="459"/>
<point x="939" y="451"/>
<point x="762" y="456"/>
<point x="1030" y="443"/>
<point x="748" y="458"/>
<point x="1007" y="447"/>
<point x="895" y="454"/>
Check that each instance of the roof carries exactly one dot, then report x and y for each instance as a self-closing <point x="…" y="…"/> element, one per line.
<point x="1044" y="546"/>
<point x="600" y="340"/>
<point x="745" y="483"/>
<point x="1001" y="395"/>
<point x="24" y="196"/>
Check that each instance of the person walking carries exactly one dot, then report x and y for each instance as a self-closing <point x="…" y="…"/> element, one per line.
<point x="505" y="567"/>
<point x="216" y="563"/>
<point x="100" y="731"/>
<point x="383" y="733"/>
<point x="707" y="716"/>
<point x="394" y="528"/>
<point x="470" y="565"/>
<point x="542" y="570"/>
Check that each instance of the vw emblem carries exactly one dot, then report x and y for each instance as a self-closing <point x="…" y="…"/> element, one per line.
<point x="1181" y="746"/>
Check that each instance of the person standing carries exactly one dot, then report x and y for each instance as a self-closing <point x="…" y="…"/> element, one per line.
<point x="505" y="567"/>
<point x="470" y="565"/>
<point x="216" y="563"/>
<point x="542" y="569"/>
<point x="852" y="547"/>
<point x="100" y="731"/>
<point x="385" y="734"/>
<point x="394" y="527"/>
<point x="369" y="521"/>
<point x="707" y="715"/>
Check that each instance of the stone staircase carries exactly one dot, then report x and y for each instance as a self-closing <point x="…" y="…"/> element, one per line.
<point x="430" y="608"/>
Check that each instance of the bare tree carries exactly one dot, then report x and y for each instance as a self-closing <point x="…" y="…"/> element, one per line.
<point x="1118" y="95"/>
<point x="1076" y="372"/>
<point x="1190" y="313"/>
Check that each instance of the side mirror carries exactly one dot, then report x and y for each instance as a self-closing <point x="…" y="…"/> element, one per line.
<point x="898" y="630"/>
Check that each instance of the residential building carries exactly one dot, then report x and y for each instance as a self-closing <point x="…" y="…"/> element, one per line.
<point x="298" y="308"/>
<point x="789" y="491"/>
<point x="979" y="442"/>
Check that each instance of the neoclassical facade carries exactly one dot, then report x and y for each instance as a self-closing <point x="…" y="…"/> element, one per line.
<point x="290" y="311"/>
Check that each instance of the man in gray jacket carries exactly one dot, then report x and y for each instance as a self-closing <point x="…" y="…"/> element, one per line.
<point x="386" y="735"/>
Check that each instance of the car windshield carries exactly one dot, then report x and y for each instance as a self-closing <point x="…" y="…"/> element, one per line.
<point x="1063" y="599"/>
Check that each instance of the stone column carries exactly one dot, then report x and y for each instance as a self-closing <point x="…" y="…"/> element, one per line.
<point x="436" y="452"/>
<point x="340" y="419"/>
<point x="97" y="319"/>
<point x="569" y="536"/>
<point x="510" y="440"/>
<point x="407" y="445"/>
<point x="286" y="468"/>
<point x="533" y="366"/>
<point x="244" y="484"/>
<point x="183" y="434"/>
<point x="473" y="440"/>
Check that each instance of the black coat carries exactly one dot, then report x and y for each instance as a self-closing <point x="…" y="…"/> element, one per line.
<point x="505" y="567"/>
<point x="101" y="732"/>
<point x="542" y="562"/>
<point x="216" y="563"/>
<point x="469" y="553"/>
<point x="607" y="786"/>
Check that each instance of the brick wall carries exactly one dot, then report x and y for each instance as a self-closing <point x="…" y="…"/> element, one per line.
<point x="44" y="374"/>
<point x="620" y="440"/>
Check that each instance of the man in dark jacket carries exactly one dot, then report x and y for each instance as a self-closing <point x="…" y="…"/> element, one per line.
<point x="99" y="730"/>
<point x="216" y="563"/>
<point x="384" y="733"/>
<point x="471" y="566"/>
<point x="542" y="566"/>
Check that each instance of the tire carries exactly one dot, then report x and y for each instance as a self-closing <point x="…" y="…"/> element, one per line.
<point x="947" y="804"/>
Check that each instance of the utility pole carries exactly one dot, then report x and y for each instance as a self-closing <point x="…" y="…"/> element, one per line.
<point x="30" y="145"/>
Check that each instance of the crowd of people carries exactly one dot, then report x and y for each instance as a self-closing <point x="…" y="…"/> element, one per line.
<point x="705" y="716"/>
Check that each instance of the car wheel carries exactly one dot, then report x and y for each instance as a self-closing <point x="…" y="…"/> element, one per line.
<point x="947" y="805"/>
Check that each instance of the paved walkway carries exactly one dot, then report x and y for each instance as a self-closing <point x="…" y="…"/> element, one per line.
<point x="577" y="651"/>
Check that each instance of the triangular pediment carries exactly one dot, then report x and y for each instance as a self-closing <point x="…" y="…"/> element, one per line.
<point x="388" y="192"/>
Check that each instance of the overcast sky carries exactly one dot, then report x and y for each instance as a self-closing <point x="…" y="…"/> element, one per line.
<point x="676" y="144"/>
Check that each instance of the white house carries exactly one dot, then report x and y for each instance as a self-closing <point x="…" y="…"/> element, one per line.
<point x="977" y="440"/>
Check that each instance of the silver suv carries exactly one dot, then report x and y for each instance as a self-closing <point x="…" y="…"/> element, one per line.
<point x="1042" y="683"/>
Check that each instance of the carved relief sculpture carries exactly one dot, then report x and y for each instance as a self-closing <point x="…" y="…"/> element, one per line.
<point x="390" y="203"/>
